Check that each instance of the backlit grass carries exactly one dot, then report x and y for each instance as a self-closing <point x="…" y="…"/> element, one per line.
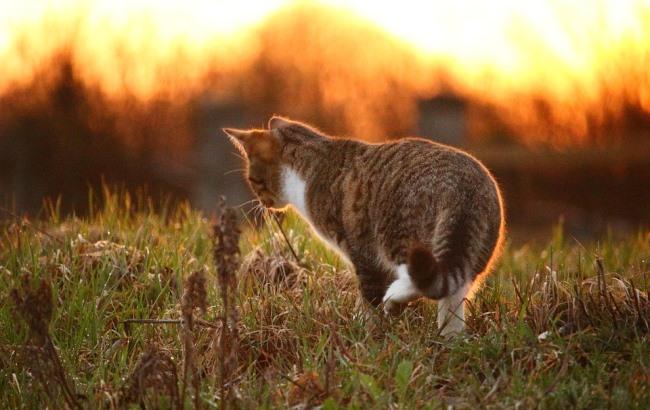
<point x="559" y="325"/>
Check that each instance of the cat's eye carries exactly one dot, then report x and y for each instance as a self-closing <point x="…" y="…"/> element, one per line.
<point x="257" y="182"/>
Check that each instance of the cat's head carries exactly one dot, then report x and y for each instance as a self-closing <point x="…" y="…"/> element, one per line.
<point x="266" y="152"/>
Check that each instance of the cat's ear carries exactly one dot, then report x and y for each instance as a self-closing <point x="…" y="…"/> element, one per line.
<point x="258" y="143"/>
<point x="239" y="138"/>
<point x="278" y="122"/>
<point x="301" y="132"/>
<point x="240" y="135"/>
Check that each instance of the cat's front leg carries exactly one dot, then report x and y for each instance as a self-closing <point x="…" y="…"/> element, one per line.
<point x="373" y="282"/>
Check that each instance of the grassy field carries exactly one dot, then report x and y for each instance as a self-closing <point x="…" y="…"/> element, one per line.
<point x="558" y="325"/>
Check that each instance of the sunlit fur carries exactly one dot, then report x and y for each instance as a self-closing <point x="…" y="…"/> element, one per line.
<point x="263" y="166"/>
<point x="414" y="218"/>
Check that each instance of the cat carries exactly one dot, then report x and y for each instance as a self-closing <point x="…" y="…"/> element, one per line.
<point x="413" y="217"/>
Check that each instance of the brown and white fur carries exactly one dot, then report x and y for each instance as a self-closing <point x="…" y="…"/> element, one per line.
<point x="414" y="218"/>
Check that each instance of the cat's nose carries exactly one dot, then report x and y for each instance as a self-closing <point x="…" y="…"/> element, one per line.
<point x="268" y="201"/>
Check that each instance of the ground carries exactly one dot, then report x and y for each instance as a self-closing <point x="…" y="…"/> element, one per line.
<point x="560" y="324"/>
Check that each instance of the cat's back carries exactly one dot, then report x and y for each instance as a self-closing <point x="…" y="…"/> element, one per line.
<point x="411" y="172"/>
<point x="418" y="163"/>
<point x="412" y="188"/>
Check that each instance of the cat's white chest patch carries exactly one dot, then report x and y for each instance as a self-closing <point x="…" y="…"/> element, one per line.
<point x="293" y="190"/>
<point x="294" y="193"/>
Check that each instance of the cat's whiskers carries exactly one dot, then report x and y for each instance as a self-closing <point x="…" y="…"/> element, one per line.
<point x="255" y="211"/>
<point x="250" y="201"/>
<point x="232" y="171"/>
<point x="240" y="156"/>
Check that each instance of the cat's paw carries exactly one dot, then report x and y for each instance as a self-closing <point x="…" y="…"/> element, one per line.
<point x="453" y="330"/>
<point x="392" y="309"/>
<point x="398" y="295"/>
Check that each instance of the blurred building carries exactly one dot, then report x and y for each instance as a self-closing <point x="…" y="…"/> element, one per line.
<point x="219" y="168"/>
<point x="443" y="118"/>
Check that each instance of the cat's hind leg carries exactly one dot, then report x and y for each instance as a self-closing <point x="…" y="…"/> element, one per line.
<point x="451" y="311"/>
<point x="401" y="291"/>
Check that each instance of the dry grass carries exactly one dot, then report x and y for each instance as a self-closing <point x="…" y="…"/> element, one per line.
<point x="136" y="307"/>
<point x="37" y="354"/>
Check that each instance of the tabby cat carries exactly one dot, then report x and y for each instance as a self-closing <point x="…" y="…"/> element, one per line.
<point x="414" y="218"/>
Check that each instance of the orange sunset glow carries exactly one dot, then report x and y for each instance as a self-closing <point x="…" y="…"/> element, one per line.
<point x="324" y="204"/>
<point x="553" y="71"/>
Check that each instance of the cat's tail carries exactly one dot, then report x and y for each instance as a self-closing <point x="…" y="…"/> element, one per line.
<point x="426" y="273"/>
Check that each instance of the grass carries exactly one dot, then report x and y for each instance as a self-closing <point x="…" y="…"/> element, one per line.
<point x="559" y="325"/>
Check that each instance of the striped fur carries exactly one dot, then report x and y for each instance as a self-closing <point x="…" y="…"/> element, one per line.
<point x="433" y="208"/>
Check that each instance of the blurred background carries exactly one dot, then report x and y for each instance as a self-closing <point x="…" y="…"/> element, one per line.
<point x="553" y="96"/>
